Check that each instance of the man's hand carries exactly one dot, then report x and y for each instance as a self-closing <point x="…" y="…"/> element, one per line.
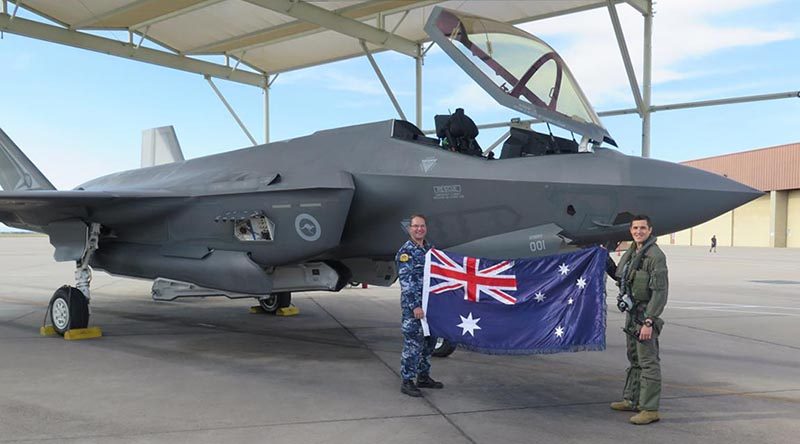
<point x="645" y="333"/>
<point x="419" y="313"/>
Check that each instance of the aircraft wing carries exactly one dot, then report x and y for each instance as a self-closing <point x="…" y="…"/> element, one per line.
<point x="34" y="210"/>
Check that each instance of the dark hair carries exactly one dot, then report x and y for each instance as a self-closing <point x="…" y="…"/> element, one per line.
<point x="644" y="218"/>
<point x="421" y="216"/>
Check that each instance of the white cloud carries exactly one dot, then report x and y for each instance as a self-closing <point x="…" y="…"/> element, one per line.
<point x="683" y="31"/>
<point x="467" y="93"/>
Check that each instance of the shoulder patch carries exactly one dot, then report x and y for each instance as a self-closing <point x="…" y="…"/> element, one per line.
<point x="404" y="257"/>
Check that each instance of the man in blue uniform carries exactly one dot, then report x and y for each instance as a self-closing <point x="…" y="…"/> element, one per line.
<point x="415" y="361"/>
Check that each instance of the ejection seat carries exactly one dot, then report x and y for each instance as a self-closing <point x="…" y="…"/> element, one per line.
<point x="457" y="132"/>
<point x="522" y="142"/>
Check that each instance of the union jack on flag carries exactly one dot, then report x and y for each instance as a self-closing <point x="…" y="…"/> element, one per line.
<point x="470" y="276"/>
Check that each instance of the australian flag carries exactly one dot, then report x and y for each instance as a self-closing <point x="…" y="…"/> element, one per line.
<point x="544" y="305"/>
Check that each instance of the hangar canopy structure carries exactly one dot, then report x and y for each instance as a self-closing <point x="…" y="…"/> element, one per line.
<point x="253" y="41"/>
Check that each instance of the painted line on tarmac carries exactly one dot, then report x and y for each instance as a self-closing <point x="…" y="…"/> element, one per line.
<point x="725" y="310"/>
<point x="731" y="335"/>
<point x="724" y="304"/>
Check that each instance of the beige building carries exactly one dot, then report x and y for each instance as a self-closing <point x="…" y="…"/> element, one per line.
<point x="773" y="220"/>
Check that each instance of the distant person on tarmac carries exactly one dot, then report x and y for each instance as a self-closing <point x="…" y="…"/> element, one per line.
<point x="713" y="244"/>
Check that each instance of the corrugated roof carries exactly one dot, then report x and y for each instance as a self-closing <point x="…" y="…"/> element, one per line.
<point x="273" y="36"/>
<point x="767" y="169"/>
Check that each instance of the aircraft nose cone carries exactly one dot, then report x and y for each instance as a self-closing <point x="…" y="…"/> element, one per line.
<point x="682" y="196"/>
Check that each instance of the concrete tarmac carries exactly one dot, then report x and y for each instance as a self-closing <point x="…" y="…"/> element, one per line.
<point x="206" y="371"/>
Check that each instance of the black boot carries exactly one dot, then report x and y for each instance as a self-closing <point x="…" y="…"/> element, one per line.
<point x="409" y="388"/>
<point x="425" y="381"/>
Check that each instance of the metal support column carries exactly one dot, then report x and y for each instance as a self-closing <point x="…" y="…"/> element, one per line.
<point x="419" y="60"/>
<point x="266" y="111"/>
<point x="383" y="81"/>
<point x="230" y="110"/>
<point x="646" y="74"/>
<point x="626" y="57"/>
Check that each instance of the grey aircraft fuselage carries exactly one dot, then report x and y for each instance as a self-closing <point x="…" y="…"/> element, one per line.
<point x="354" y="186"/>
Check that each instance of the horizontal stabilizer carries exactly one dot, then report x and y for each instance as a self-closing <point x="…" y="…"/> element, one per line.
<point x="160" y="146"/>
<point x="17" y="172"/>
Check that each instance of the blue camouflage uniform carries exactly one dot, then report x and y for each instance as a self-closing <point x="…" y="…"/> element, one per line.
<point x="416" y="357"/>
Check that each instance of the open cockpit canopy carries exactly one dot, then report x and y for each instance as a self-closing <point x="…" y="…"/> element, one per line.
<point x="517" y="69"/>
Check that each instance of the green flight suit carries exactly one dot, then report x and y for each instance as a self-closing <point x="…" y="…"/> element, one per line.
<point x="648" y="285"/>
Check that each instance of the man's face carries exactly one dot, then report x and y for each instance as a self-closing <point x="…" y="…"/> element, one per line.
<point x="640" y="231"/>
<point x="417" y="230"/>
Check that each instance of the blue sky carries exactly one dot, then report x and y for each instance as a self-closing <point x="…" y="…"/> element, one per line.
<point x="78" y="114"/>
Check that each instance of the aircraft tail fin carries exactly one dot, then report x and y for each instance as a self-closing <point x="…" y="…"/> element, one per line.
<point x="17" y="172"/>
<point x="160" y="146"/>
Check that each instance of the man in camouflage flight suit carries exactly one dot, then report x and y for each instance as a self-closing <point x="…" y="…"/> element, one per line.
<point x="415" y="359"/>
<point x="642" y="271"/>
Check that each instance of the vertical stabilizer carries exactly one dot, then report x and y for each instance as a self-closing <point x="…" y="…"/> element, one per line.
<point x="160" y="146"/>
<point x="17" y="172"/>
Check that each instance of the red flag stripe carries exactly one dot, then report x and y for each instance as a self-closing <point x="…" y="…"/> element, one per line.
<point x="494" y="268"/>
<point x="502" y="296"/>
<point x="444" y="258"/>
<point x="441" y="289"/>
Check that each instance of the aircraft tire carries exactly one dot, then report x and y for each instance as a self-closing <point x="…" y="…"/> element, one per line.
<point x="69" y="309"/>
<point x="274" y="301"/>
<point x="443" y="348"/>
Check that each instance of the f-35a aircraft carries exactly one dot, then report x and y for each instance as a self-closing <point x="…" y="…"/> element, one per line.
<point x="317" y="212"/>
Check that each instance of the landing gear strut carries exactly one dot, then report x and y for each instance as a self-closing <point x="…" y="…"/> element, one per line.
<point x="69" y="306"/>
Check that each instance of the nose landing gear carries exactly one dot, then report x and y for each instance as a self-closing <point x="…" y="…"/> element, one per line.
<point x="69" y="307"/>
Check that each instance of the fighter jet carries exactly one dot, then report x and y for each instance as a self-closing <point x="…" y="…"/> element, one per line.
<point x="320" y="211"/>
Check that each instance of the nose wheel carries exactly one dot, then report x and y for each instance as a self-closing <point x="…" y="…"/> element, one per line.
<point x="68" y="310"/>
<point x="69" y="307"/>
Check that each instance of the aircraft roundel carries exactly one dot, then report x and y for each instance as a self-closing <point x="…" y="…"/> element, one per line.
<point x="307" y="227"/>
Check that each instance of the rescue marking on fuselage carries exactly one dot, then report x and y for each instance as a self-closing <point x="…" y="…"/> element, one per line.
<point x="452" y="191"/>
<point x="427" y="164"/>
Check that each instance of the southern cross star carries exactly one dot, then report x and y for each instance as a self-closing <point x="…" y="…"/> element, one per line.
<point x="563" y="269"/>
<point x="559" y="331"/>
<point x="581" y="283"/>
<point x="538" y="296"/>
<point x="468" y="324"/>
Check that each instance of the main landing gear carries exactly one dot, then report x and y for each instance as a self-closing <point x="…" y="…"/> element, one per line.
<point x="69" y="307"/>
<point x="443" y="348"/>
<point x="274" y="301"/>
<point x="278" y="303"/>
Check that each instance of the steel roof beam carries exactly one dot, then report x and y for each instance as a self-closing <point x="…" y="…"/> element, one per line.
<point x="299" y="28"/>
<point x="141" y="11"/>
<point x="626" y="57"/>
<point x="54" y="34"/>
<point x="643" y="6"/>
<point x="343" y="25"/>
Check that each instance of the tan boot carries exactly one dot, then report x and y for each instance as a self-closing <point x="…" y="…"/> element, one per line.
<point x="645" y="417"/>
<point x="623" y="406"/>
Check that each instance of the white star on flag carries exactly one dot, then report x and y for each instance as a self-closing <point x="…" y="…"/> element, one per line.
<point x="468" y="325"/>
<point x="581" y="283"/>
<point x="539" y="296"/>
<point x="570" y="301"/>
<point x="559" y="331"/>
<point x="563" y="269"/>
